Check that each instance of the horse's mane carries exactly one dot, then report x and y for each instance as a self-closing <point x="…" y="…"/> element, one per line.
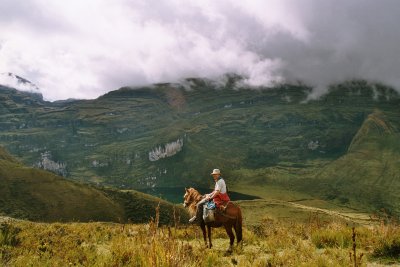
<point x="195" y="194"/>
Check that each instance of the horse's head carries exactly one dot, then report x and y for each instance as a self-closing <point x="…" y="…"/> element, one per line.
<point x="191" y="197"/>
<point x="186" y="198"/>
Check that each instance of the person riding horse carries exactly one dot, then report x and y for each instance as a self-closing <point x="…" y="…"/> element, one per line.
<point x="219" y="195"/>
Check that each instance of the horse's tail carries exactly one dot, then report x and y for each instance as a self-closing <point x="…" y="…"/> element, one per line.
<point x="238" y="226"/>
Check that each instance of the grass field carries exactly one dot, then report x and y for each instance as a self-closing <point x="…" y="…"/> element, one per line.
<point x="282" y="201"/>
<point x="269" y="243"/>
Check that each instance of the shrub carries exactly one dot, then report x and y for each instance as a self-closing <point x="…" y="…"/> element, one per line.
<point x="8" y="234"/>
<point x="388" y="248"/>
<point x="328" y="238"/>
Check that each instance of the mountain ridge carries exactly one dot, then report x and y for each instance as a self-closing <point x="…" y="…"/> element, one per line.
<point x="121" y="138"/>
<point x="375" y="124"/>
<point x="17" y="82"/>
<point x="368" y="172"/>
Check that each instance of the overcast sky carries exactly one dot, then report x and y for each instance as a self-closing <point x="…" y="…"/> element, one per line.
<point x="84" y="48"/>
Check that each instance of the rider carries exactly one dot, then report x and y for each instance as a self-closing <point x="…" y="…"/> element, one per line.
<point x="219" y="194"/>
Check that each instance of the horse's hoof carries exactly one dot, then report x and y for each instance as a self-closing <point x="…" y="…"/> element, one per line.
<point x="228" y="252"/>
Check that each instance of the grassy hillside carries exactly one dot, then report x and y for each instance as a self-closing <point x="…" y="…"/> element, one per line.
<point x="109" y="140"/>
<point x="43" y="196"/>
<point x="369" y="172"/>
<point x="172" y="135"/>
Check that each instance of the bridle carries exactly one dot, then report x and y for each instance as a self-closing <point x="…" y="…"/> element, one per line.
<point x="187" y="199"/>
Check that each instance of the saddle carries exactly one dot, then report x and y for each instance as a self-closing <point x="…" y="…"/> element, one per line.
<point x="210" y="210"/>
<point x="222" y="207"/>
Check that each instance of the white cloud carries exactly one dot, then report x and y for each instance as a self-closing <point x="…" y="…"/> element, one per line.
<point x="83" y="49"/>
<point x="11" y="80"/>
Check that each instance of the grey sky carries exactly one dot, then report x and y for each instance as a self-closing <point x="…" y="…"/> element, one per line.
<point x="83" y="49"/>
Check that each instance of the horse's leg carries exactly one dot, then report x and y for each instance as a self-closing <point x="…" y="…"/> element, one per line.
<point x="203" y="229"/>
<point x="238" y="232"/>
<point x="228" y="229"/>
<point x="209" y="236"/>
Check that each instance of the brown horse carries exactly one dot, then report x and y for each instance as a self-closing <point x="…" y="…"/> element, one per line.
<point x="230" y="218"/>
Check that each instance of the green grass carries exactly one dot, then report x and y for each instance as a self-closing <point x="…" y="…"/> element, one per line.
<point x="311" y="149"/>
<point x="368" y="172"/>
<point x="247" y="129"/>
<point x="42" y="196"/>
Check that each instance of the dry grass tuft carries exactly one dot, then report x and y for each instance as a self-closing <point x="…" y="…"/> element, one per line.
<point x="270" y="243"/>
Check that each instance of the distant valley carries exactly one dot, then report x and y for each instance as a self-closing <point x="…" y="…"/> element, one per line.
<point x="341" y="148"/>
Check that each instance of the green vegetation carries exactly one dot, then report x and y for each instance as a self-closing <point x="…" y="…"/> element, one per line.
<point x="8" y="234"/>
<point x="369" y="172"/>
<point x="318" y="167"/>
<point x="43" y="196"/>
<point x="108" y="139"/>
<point x="273" y="143"/>
<point x="342" y="147"/>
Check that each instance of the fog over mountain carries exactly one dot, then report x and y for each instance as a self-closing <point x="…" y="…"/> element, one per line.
<point x="14" y="81"/>
<point x="82" y="49"/>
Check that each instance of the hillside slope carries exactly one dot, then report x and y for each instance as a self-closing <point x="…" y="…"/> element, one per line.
<point x="172" y="135"/>
<point x="369" y="172"/>
<point x="43" y="196"/>
<point x="167" y="135"/>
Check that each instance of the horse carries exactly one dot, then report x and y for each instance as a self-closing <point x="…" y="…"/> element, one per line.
<point x="231" y="218"/>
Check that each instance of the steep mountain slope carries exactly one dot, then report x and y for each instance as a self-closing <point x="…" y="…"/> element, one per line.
<point x="40" y="195"/>
<point x="167" y="135"/>
<point x="369" y="172"/>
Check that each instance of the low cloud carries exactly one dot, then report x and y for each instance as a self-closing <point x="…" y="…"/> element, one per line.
<point x="82" y="49"/>
<point x="13" y="81"/>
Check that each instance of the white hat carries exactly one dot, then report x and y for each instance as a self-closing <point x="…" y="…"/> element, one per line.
<point x="216" y="171"/>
